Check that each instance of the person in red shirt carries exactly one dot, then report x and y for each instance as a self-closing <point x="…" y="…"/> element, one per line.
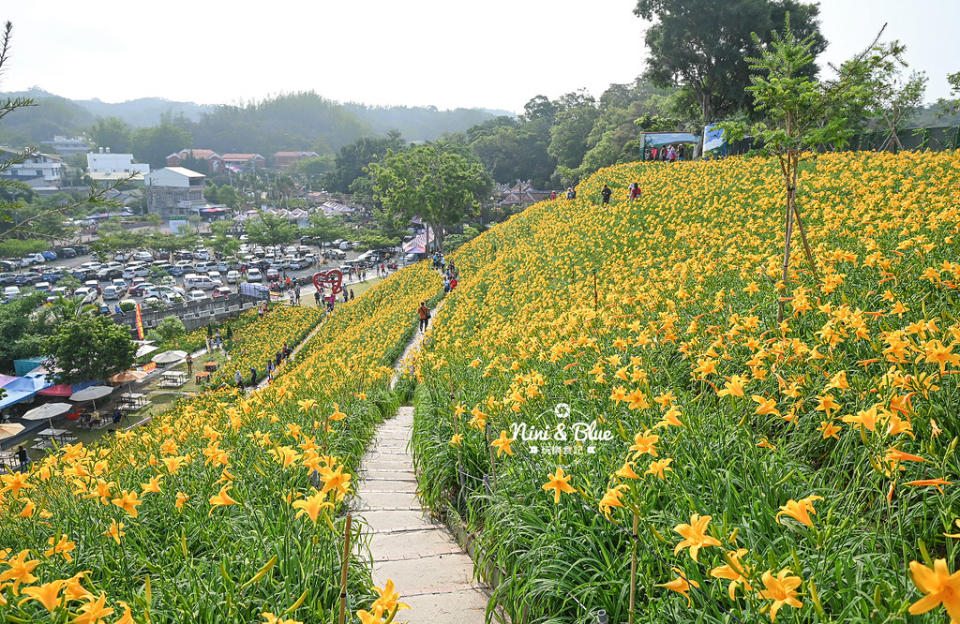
<point x="424" y="312"/>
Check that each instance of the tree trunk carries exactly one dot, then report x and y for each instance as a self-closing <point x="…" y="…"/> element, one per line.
<point x="789" y="177"/>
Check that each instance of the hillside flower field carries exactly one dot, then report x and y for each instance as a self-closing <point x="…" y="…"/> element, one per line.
<point x="228" y="507"/>
<point x="608" y="389"/>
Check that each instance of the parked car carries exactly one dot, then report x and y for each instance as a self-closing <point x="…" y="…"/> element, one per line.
<point x="346" y="246"/>
<point x="196" y="295"/>
<point x="53" y="275"/>
<point x="233" y="277"/>
<point x="198" y="282"/>
<point x="11" y="292"/>
<point x="7" y="278"/>
<point x="49" y="255"/>
<point x="254" y="275"/>
<point x="68" y="252"/>
<point x="83" y="293"/>
<point x="31" y="259"/>
<point x="42" y="286"/>
<point x="112" y="292"/>
<point x="138" y="290"/>
<point x="215" y="278"/>
<point x="9" y="265"/>
<point x="119" y="283"/>
<point x="143" y="256"/>
<point x="272" y="274"/>
<point x="222" y="291"/>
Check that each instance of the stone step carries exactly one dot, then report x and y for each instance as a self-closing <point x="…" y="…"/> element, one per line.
<point x="440" y="573"/>
<point x="412" y="544"/>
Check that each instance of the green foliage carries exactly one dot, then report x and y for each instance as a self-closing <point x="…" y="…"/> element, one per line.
<point x="17" y="248"/>
<point x="112" y="132"/>
<point x="21" y="331"/>
<point x="353" y="159"/>
<point x="170" y="328"/>
<point x="268" y="229"/>
<point x="324" y="228"/>
<point x="315" y="168"/>
<point x="153" y="145"/>
<point x="90" y="347"/>
<point x="703" y="46"/>
<point x="438" y="184"/>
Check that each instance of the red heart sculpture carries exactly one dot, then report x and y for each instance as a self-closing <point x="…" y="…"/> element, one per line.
<point x="332" y="278"/>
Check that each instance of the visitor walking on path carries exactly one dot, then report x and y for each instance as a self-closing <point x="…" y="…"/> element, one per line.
<point x="424" y="312"/>
<point x="605" y="194"/>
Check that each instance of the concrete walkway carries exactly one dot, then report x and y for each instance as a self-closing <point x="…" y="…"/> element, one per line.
<point x="431" y="572"/>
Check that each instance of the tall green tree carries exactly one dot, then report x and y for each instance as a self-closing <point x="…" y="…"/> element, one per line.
<point x="153" y="145"/>
<point x="438" y="184"/>
<point x="112" y="132"/>
<point x="703" y="45"/>
<point x="268" y="229"/>
<point x="90" y="347"/>
<point x="324" y="228"/>
<point x="353" y="158"/>
<point x="800" y="112"/>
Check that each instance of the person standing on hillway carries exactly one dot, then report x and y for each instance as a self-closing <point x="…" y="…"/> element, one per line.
<point x="605" y="194"/>
<point x="424" y="312"/>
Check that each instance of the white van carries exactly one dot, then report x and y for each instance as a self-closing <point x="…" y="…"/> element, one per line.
<point x="11" y="292"/>
<point x="195" y="282"/>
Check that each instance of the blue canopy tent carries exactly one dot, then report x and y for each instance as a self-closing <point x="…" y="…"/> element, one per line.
<point x="21" y="389"/>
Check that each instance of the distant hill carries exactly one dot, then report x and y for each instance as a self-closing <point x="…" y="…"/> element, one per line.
<point x="145" y="111"/>
<point x="421" y="123"/>
<point x="289" y="121"/>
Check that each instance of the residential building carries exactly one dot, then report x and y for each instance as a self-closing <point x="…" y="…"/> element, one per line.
<point x="244" y="162"/>
<point x="41" y="172"/>
<point x="69" y="145"/>
<point x="212" y="159"/>
<point x="286" y="160"/>
<point x="520" y="194"/>
<point x="174" y="192"/>
<point x="102" y="166"/>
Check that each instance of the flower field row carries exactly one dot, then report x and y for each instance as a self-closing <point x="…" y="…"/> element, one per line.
<point x="620" y="379"/>
<point x="262" y="337"/>
<point x="226" y="508"/>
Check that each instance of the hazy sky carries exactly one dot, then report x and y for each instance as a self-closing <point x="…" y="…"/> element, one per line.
<point x="448" y="53"/>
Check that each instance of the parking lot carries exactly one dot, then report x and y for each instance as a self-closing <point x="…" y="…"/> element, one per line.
<point x="160" y="279"/>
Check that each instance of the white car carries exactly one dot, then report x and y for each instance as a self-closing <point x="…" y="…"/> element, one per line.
<point x="112" y="292"/>
<point x="215" y="278"/>
<point x="11" y="292"/>
<point x="34" y="258"/>
<point x="42" y="286"/>
<point x="254" y="275"/>
<point x="143" y="256"/>
<point x="197" y="295"/>
<point x="233" y="277"/>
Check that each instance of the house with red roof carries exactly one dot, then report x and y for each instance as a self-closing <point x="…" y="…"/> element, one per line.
<point x="286" y="160"/>
<point x="213" y="160"/>
<point x="244" y="162"/>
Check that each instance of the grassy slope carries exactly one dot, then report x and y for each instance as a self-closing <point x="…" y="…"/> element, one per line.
<point x="687" y="279"/>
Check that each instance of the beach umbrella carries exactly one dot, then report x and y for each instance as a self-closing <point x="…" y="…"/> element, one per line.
<point x="8" y="430"/>
<point x="47" y="411"/>
<point x="127" y="377"/>
<point x="91" y="394"/>
<point x="169" y="357"/>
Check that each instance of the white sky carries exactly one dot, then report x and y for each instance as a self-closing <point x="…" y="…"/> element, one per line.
<point x="448" y="53"/>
